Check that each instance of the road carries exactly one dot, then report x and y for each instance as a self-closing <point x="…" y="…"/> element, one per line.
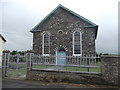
<point x="27" y="84"/>
<point x="10" y="83"/>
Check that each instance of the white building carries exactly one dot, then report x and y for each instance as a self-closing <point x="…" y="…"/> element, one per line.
<point x="2" y="41"/>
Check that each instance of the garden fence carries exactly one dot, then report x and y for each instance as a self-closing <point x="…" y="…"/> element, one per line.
<point x="89" y="63"/>
<point x="17" y="65"/>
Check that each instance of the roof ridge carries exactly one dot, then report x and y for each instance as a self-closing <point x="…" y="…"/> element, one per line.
<point x="53" y="11"/>
<point x="77" y="15"/>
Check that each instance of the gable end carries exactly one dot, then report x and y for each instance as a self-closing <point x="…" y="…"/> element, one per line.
<point x="60" y="6"/>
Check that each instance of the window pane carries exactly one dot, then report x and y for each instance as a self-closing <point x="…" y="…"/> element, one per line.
<point x="46" y="44"/>
<point x="77" y="43"/>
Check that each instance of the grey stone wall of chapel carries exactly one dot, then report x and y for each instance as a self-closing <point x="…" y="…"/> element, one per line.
<point x="66" y="22"/>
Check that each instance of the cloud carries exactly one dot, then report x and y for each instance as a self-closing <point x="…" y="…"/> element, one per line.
<point x="20" y="16"/>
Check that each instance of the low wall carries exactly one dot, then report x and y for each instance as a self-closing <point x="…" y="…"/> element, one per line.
<point x="109" y="75"/>
<point x="64" y="76"/>
<point x="119" y="71"/>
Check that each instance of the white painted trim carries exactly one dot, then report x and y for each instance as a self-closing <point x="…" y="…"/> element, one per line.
<point x="43" y="44"/>
<point x="80" y="44"/>
<point x="46" y="54"/>
<point x="77" y="54"/>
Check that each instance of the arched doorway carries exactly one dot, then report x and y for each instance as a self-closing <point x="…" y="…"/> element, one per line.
<point x="60" y="56"/>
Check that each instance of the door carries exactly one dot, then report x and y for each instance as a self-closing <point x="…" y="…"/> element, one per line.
<point x="61" y="57"/>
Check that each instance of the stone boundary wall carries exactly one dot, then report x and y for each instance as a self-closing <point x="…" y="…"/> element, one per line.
<point x="119" y="71"/>
<point x="109" y="75"/>
<point x="64" y="76"/>
<point x="111" y="69"/>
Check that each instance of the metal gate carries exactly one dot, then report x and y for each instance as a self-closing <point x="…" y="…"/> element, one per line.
<point x="13" y="66"/>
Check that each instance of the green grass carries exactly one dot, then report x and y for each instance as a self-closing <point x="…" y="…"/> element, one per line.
<point x="75" y="69"/>
<point x="19" y="65"/>
<point x="15" y="72"/>
<point x="95" y="69"/>
<point x="70" y="68"/>
<point x="22" y="70"/>
<point x="41" y="66"/>
<point x="98" y="63"/>
<point x="82" y="69"/>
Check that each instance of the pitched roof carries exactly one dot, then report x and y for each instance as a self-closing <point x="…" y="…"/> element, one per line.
<point x="60" y="6"/>
<point x="79" y="16"/>
<point x="2" y="38"/>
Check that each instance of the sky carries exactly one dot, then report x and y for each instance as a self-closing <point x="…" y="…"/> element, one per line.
<point x="18" y="17"/>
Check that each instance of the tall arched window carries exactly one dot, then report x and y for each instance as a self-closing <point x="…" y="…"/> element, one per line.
<point x="77" y="43"/>
<point x="46" y="44"/>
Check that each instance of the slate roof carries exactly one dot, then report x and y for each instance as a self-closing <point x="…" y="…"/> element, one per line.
<point x="61" y="6"/>
<point x="2" y="38"/>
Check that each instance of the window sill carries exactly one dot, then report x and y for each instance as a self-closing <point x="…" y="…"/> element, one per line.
<point x="77" y="54"/>
<point x="46" y="55"/>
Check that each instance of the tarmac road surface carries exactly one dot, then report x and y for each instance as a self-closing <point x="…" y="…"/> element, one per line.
<point x="12" y="83"/>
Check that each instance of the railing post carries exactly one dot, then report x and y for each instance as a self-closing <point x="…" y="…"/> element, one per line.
<point x="87" y="62"/>
<point x="18" y="57"/>
<point x="29" y="57"/>
<point x="3" y="64"/>
<point x="5" y="60"/>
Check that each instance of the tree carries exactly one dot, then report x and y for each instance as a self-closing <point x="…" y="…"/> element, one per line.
<point x="13" y="52"/>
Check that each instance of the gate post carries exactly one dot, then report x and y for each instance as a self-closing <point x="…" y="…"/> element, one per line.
<point x="110" y="69"/>
<point x="18" y="57"/>
<point x="5" y="63"/>
<point x="29" y="57"/>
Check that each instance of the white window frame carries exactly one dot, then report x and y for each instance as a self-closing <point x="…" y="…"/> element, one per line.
<point x="80" y="44"/>
<point x="43" y="44"/>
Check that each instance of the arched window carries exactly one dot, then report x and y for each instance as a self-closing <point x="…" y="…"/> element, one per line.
<point x="46" y="44"/>
<point x="77" y="43"/>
